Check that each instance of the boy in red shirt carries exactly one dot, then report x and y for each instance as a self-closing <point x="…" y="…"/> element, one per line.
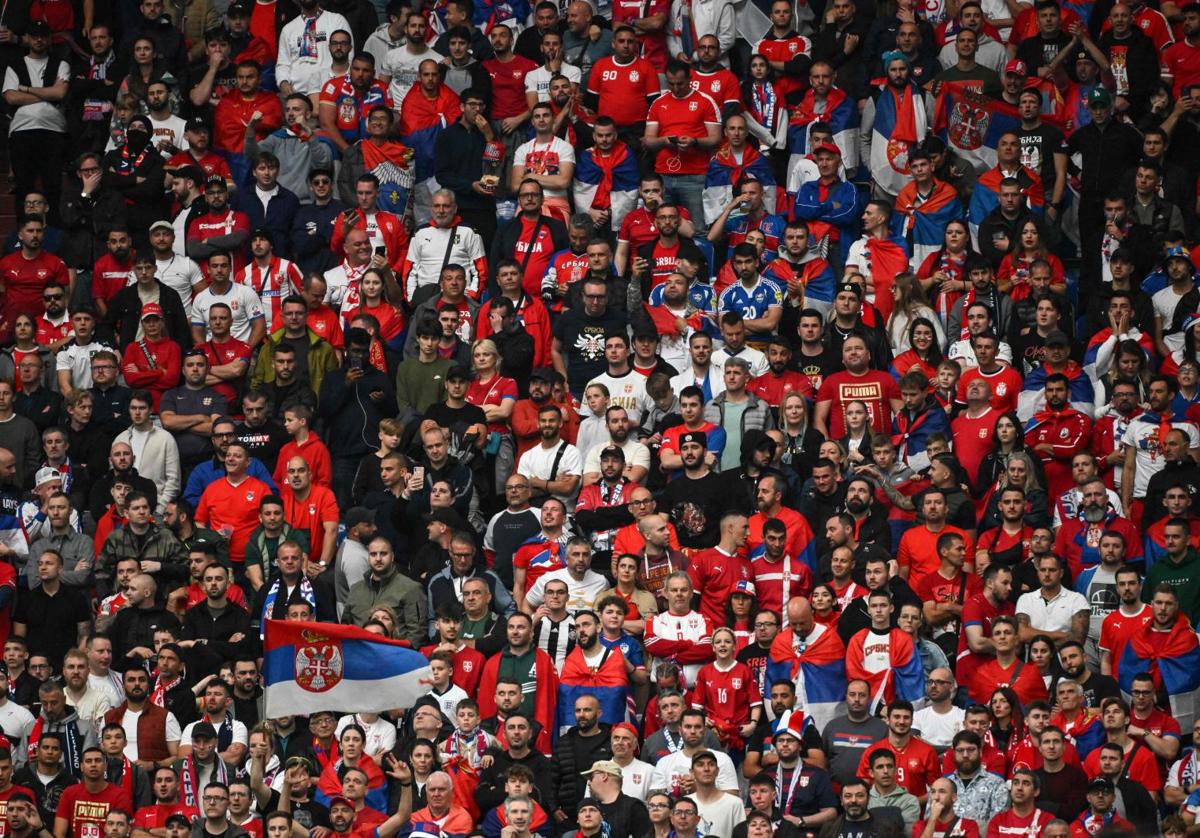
<point x="84" y="807"/>
<point x="304" y="444"/>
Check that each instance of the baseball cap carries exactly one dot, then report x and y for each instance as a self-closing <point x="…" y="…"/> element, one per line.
<point x="215" y="180"/>
<point x="458" y="371"/>
<point x="196" y="124"/>
<point x="1177" y="252"/>
<point x="612" y="452"/>
<point x="828" y="148"/>
<point x="744" y="586"/>
<point x="705" y="754"/>
<point x="45" y="475"/>
<point x="238" y="9"/>
<point x="337" y="798"/>
<point x="178" y="818"/>
<point x="444" y="516"/>
<point x="151" y="310"/>
<point x="161" y="225"/>
<point x="38" y="27"/>
<point x="603" y="766"/>
<point x="1057" y="338"/>
<point x="356" y="515"/>
<point x="204" y="730"/>
<point x="1101" y="784"/>
<point x="543" y="374"/>
<point x="1099" y="96"/>
<point x="1017" y="67"/>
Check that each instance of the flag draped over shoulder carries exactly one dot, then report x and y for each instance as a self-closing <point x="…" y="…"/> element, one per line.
<point x="422" y="121"/>
<point x="607" y="182"/>
<point x="309" y="666"/>
<point x="888" y="258"/>
<point x="985" y="197"/>
<point x="390" y="163"/>
<point x="724" y="171"/>
<point x="817" y="666"/>
<point x="1172" y="659"/>
<point x="904" y="679"/>
<point x="608" y="683"/>
<point x="923" y="225"/>
<point x="899" y="125"/>
<point x="971" y="123"/>
<point x="841" y="112"/>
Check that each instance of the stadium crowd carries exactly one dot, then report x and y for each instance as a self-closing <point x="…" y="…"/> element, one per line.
<point x="768" y="418"/>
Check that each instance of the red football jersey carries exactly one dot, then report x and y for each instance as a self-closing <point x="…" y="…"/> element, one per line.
<point x="686" y="117"/>
<point x="508" y="85"/>
<point x="726" y="695"/>
<point x="85" y="813"/>
<point x="623" y="89"/>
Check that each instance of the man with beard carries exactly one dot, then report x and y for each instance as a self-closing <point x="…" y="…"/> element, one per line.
<point x="514" y="748"/>
<point x="534" y="670"/>
<point x="110" y="274"/>
<point x="589" y="740"/>
<point x="859" y="821"/>
<point x="152" y="733"/>
<point x="579" y="335"/>
<point x="1058" y="432"/>
<point x="46" y="775"/>
<point x="290" y="144"/>
<point x="1053" y="610"/>
<point x="974" y="645"/>
<point x="1145" y="442"/>
<point x="657" y="258"/>
<point x="602" y="506"/>
<point x="1079" y="533"/>
<point x="762" y="753"/>
<point x="617" y="419"/>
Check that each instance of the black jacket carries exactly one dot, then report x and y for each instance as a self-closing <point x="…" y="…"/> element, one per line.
<point x="140" y="187"/>
<point x="135" y="627"/>
<point x="312" y="230"/>
<point x="573" y="754"/>
<point x="100" y="496"/>
<point x="459" y="163"/>
<point x="490" y="791"/>
<point x="1185" y="473"/>
<point x="125" y="313"/>
<point x="86" y="223"/>
<point x="1107" y="154"/>
<point x="351" y="416"/>
<point x="198" y="624"/>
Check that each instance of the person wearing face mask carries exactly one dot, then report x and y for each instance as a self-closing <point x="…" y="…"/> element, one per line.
<point x="135" y="170"/>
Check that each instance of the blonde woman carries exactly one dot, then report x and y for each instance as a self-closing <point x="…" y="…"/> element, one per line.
<point x="495" y="395"/>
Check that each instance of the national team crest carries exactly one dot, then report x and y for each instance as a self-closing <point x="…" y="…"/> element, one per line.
<point x="319" y="664"/>
<point x="969" y="122"/>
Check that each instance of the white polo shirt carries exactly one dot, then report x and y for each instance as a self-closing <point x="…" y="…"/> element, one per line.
<point x="1053" y="614"/>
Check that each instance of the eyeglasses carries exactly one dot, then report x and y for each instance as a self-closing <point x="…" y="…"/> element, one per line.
<point x="687" y="813"/>
<point x="90" y="170"/>
<point x="339" y="43"/>
<point x="768" y="624"/>
<point x="213" y="798"/>
<point x="657" y="806"/>
<point x="104" y="367"/>
<point x="39" y="666"/>
<point x="595" y="296"/>
<point x="51" y="297"/>
<point x="941" y="681"/>
<point x="321" y="181"/>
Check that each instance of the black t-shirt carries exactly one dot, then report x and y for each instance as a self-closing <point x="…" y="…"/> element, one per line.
<point x="308" y="814"/>
<point x="582" y="340"/>
<point x="263" y="442"/>
<point x="1037" y="51"/>
<point x="817" y="367"/>
<point x="1038" y="147"/>
<point x="695" y="507"/>
<point x="457" y="420"/>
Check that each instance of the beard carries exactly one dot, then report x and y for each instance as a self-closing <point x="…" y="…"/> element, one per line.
<point x="1093" y="514"/>
<point x="856" y="506"/>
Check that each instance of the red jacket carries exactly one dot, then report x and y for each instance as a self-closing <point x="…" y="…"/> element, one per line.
<point x="1068" y="432"/>
<point x="153" y="366"/>
<point x="391" y="228"/>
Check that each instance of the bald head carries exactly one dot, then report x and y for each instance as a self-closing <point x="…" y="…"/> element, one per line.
<point x="799" y="614"/>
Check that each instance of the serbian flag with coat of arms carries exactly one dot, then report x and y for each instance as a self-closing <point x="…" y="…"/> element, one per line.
<point x="309" y="667"/>
<point x="816" y="664"/>
<point x="390" y="163"/>
<point x="971" y="123"/>
<point x="899" y="125"/>
<point x="840" y="111"/>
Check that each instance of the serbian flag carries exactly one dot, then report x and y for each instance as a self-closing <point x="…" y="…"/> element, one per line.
<point x="724" y="171"/>
<point x="389" y="163"/>
<point x="923" y="225"/>
<point x="1172" y="659"/>
<point x="903" y="679"/>
<point x="816" y="665"/>
<point x="888" y="258"/>
<point x="814" y="275"/>
<point x="422" y="121"/>
<point x="545" y="697"/>
<point x="841" y="112"/>
<point x="971" y="123"/>
<point x="329" y="785"/>
<point x="314" y="666"/>
<point x="608" y="683"/>
<point x="985" y="197"/>
<point x="664" y="320"/>
<point x="607" y="182"/>
<point x="900" y="123"/>
<point x="1098" y="352"/>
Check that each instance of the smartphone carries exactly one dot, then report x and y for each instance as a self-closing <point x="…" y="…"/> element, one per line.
<point x="356" y="362"/>
<point x="419" y="473"/>
<point x="381" y="251"/>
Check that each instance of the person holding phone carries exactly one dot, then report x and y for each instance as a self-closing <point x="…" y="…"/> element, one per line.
<point x="384" y="229"/>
